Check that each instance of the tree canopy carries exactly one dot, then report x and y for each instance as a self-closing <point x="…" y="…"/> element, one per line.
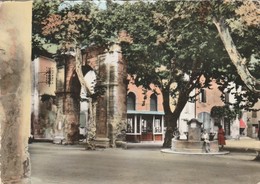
<point x="178" y="41"/>
<point x="181" y="38"/>
<point x="166" y="42"/>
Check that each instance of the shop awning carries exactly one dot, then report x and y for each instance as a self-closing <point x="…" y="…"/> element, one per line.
<point x="242" y="124"/>
<point x="145" y="112"/>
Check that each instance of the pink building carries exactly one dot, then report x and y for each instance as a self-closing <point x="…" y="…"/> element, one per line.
<point x="43" y="108"/>
<point x="145" y="115"/>
<point x="207" y="99"/>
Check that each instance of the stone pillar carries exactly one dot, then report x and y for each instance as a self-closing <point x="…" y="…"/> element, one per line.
<point x="15" y="93"/>
<point x="117" y="96"/>
<point x="102" y="105"/>
<point x="68" y="102"/>
<point x="111" y="107"/>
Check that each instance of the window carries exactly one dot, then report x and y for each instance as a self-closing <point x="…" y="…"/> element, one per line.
<point x="131" y="101"/>
<point x="204" y="117"/>
<point x="203" y="96"/>
<point x="254" y="114"/>
<point x="133" y="124"/>
<point x="153" y="102"/>
<point x="130" y="124"/>
<point x="157" y="124"/>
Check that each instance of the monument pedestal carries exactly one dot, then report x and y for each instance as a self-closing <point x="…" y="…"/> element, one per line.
<point x="193" y="146"/>
<point x="194" y="143"/>
<point x="101" y="142"/>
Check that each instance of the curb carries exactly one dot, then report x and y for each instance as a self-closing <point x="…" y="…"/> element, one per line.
<point x="241" y="150"/>
<point x="194" y="153"/>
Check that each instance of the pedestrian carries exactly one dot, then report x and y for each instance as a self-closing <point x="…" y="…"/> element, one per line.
<point x="221" y="137"/>
<point x="206" y="142"/>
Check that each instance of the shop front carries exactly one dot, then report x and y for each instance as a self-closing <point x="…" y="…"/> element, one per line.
<point x="145" y="126"/>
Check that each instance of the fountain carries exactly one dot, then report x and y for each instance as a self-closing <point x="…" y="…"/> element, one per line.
<point x="194" y="143"/>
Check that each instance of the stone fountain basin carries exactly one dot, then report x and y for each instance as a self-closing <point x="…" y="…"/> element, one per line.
<point x="193" y="146"/>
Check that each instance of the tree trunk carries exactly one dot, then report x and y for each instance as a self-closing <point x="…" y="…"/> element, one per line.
<point x="91" y="128"/>
<point x="240" y="63"/>
<point x="171" y="118"/>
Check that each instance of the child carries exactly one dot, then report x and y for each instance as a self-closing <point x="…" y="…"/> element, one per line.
<point x="205" y="138"/>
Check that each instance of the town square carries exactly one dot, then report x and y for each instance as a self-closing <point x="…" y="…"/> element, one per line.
<point x="129" y="91"/>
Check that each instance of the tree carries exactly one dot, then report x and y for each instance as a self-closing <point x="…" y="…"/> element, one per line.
<point x="194" y="14"/>
<point x="40" y="12"/>
<point x="248" y="17"/>
<point x="169" y="41"/>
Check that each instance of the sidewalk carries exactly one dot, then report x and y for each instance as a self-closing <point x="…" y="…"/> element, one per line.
<point x="243" y="144"/>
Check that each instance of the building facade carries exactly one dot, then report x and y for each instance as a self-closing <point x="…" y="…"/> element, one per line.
<point x="209" y="98"/>
<point x="43" y="108"/>
<point x="145" y="115"/>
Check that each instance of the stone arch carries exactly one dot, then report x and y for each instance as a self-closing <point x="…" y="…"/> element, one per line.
<point x="69" y="100"/>
<point x="85" y="124"/>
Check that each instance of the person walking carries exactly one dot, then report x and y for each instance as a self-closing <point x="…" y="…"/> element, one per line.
<point x="221" y="137"/>
<point x="206" y="142"/>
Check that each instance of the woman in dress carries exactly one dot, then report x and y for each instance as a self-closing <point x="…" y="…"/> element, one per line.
<point x="221" y="137"/>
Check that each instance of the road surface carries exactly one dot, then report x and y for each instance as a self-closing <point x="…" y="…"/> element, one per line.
<point x="58" y="164"/>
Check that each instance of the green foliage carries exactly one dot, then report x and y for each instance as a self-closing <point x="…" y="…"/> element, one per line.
<point x="60" y="23"/>
<point x="173" y="39"/>
<point x="165" y="41"/>
<point x="224" y="111"/>
<point x="41" y="10"/>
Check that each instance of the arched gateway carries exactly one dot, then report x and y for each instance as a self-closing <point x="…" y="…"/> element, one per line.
<point x="104" y="68"/>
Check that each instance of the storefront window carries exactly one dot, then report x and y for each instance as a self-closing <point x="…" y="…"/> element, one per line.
<point x="157" y="125"/>
<point x="130" y="125"/>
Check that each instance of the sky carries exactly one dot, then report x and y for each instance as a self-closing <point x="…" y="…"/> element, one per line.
<point x="101" y="3"/>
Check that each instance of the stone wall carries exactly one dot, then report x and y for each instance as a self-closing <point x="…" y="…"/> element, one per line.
<point x="43" y="124"/>
<point x="15" y="93"/>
